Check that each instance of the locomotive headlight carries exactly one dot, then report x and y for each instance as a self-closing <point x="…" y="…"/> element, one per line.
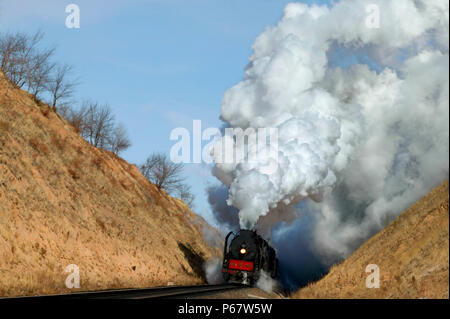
<point x="243" y="251"/>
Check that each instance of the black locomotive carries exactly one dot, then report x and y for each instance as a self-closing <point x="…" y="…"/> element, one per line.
<point x="245" y="257"/>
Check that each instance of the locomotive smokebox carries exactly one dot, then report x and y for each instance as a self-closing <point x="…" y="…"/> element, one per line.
<point x="245" y="255"/>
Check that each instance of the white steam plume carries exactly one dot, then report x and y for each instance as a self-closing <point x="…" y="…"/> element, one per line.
<point x="213" y="271"/>
<point x="266" y="283"/>
<point x="363" y="142"/>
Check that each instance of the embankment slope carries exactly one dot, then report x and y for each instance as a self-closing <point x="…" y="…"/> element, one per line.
<point x="63" y="201"/>
<point x="412" y="254"/>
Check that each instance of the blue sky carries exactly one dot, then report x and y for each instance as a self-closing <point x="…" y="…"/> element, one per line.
<point x="159" y="63"/>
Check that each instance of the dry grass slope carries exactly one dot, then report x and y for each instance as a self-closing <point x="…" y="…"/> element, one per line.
<point x="412" y="254"/>
<point x="64" y="202"/>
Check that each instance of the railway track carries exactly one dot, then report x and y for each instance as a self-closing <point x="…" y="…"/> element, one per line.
<point x="147" y="293"/>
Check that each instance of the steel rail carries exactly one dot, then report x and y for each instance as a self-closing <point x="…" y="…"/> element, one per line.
<point x="141" y="293"/>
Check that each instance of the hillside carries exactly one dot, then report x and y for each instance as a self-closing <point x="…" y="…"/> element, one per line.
<point x="64" y="202"/>
<point x="412" y="254"/>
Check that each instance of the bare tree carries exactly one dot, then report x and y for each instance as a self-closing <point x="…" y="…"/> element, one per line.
<point x="61" y="87"/>
<point x="183" y="191"/>
<point x="23" y="62"/>
<point x="38" y="76"/>
<point x="162" y="172"/>
<point x="98" y="124"/>
<point x="76" y="117"/>
<point x="119" y="141"/>
<point x="15" y="51"/>
<point x="167" y="175"/>
<point x="10" y="46"/>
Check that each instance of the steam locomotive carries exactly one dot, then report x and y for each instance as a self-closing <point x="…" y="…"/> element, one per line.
<point x="245" y="257"/>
